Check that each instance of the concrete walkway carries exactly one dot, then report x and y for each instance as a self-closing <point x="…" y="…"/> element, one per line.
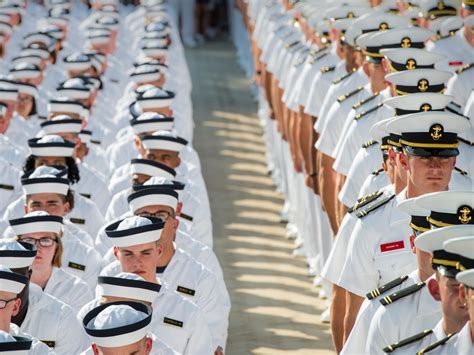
<point x="275" y="309"/>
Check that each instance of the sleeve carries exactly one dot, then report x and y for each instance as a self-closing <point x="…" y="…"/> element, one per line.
<point x="327" y="140"/>
<point x="96" y="220"/>
<point x="80" y="295"/>
<point x="102" y="242"/>
<point x="358" y="274"/>
<point x="457" y="88"/>
<point x="94" y="267"/>
<point x="347" y="151"/>
<point x="71" y="333"/>
<point x="200" y="340"/>
<point x="379" y="337"/>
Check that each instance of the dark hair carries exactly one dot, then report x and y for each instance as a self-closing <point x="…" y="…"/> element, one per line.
<point x="33" y="108"/>
<point x="72" y="169"/>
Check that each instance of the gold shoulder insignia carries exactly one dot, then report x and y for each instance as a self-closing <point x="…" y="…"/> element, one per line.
<point x="7" y="187"/>
<point x="325" y="70"/>
<point x="435" y="345"/>
<point x="369" y="144"/>
<point x="387" y="287"/>
<point x="377" y="172"/>
<point x="364" y="101"/>
<point x="343" y="98"/>
<point x="363" y="201"/>
<point x="314" y="59"/>
<point x="374" y="207"/>
<point x="345" y="76"/>
<point x="460" y="171"/>
<point x="402" y="293"/>
<point x="49" y="343"/>
<point x="407" y="341"/>
<point x="465" y="141"/>
<point x="464" y="68"/>
<point x="365" y="113"/>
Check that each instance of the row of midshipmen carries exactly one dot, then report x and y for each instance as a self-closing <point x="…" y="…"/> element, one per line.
<point x="367" y="108"/>
<point x="107" y="231"/>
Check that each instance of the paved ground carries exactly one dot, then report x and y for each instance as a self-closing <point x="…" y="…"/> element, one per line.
<point x="274" y="305"/>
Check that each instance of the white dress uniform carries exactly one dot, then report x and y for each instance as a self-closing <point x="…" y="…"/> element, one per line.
<point x="15" y="154"/>
<point x="53" y="322"/>
<point x="461" y="85"/>
<point x="37" y="347"/>
<point x="355" y="343"/>
<point x="10" y="188"/>
<point x="177" y="321"/>
<point x="194" y="281"/>
<point x="461" y="343"/>
<point x="20" y="130"/>
<point x="378" y="249"/>
<point x="374" y="182"/>
<point x="92" y="186"/>
<point x="429" y="337"/>
<point x="406" y="316"/>
<point x="68" y="289"/>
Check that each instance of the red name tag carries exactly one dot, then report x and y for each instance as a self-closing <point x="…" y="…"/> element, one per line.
<point x="452" y="64"/>
<point x="392" y="246"/>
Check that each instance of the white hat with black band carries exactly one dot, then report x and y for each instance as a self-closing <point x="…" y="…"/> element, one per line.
<point x="11" y="282"/>
<point x="135" y="230"/>
<point x="51" y="146"/>
<point x="65" y="104"/>
<point x="155" y="98"/>
<point x="151" y="168"/>
<point x="127" y="285"/>
<point x="14" y="345"/>
<point x="61" y="124"/>
<point x="149" y="122"/>
<point x="16" y="255"/>
<point x="37" y="222"/>
<point x="46" y="179"/>
<point x="164" y="140"/>
<point x="151" y="196"/>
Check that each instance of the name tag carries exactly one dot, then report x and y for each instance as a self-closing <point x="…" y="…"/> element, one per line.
<point x="186" y="291"/>
<point x="392" y="246"/>
<point x="452" y="64"/>
<point x="7" y="187"/>
<point x="77" y="220"/>
<point x="76" y="266"/>
<point x="174" y="322"/>
<point x="86" y="195"/>
<point x="50" y="343"/>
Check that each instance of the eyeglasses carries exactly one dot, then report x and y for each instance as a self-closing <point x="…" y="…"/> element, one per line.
<point x="44" y="242"/>
<point x="3" y="303"/>
<point x="163" y="215"/>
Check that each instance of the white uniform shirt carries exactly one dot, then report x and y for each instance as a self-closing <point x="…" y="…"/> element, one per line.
<point x="456" y="49"/>
<point x="461" y="343"/>
<point x="37" y="347"/>
<point x="51" y="320"/>
<point x="436" y="335"/>
<point x="461" y="86"/>
<point x="10" y="188"/>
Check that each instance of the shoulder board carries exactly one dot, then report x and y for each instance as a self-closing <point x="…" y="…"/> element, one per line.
<point x="185" y="290"/>
<point x="407" y="341"/>
<point x="465" y="141"/>
<point x="291" y="45"/>
<point x="377" y="172"/>
<point x="372" y="208"/>
<point x="402" y="293"/>
<point x="7" y="187"/>
<point x="363" y="201"/>
<point x="369" y="144"/>
<point x="76" y="266"/>
<point x="49" y="343"/>
<point x="170" y="321"/>
<point x="364" y="101"/>
<point x="186" y="216"/>
<point x="325" y="70"/>
<point x="314" y="53"/>
<point x="365" y="113"/>
<point x="460" y="171"/>
<point x="42" y="117"/>
<point x="85" y="195"/>
<point x="95" y="141"/>
<point x="342" y="98"/>
<point x="77" y="220"/>
<point x="315" y="59"/>
<point x="464" y="68"/>
<point x="345" y="76"/>
<point x="435" y="345"/>
<point x="387" y="287"/>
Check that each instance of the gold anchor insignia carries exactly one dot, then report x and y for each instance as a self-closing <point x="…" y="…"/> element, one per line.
<point x="350" y="14"/>
<point x="383" y="26"/>
<point x="406" y="42"/>
<point x="464" y="214"/>
<point x="436" y="131"/>
<point x="441" y="5"/>
<point x="423" y="85"/>
<point x="425" y="107"/>
<point x="410" y="64"/>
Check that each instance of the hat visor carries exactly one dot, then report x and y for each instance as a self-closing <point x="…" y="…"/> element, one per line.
<point x="424" y="152"/>
<point x="446" y="271"/>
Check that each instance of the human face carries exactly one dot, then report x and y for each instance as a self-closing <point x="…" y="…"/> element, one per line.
<point x="139" y="259"/>
<point x="157" y="211"/>
<point x="429" y="174"/>
<point x="25" y="104"/>
<point x="163" y="110"/>
<point x="54" y="204"/>
<point x="452" y="306"/>
<point x="167" y="157"/>
<point x="376" y="74"/>
<point x="139" y="179"/>
<point x="45" y="254"/>
<point x="10" y="310"/>
<point x="50" y="161"/>
<point x="4" y="123"/>
<point x="141" y="347"/>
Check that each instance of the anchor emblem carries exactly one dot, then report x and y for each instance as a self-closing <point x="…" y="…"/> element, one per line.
<point x="464" y="214"/>
<point x="425" y="108"/>
<point x="410" y="64"/>
<point x="383" y="27"/>
<point x="436" y="131"/>
<point x="406" y="42"/>
<point x="423" y="85"/>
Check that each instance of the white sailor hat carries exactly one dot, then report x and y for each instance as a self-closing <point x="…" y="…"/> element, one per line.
<point x="11" y="9"/>
<point x="155" y="98"/>
<point x="346" y="12"/>
<point x="371" y="46"/>
<point x="14" y="345"/>
<point x="164" y="140"/>
<point x="468" y="4"/>
<point x="5" y="28"/>
<point x="65" y="104"/>
<point x="37" y="37"/>
<point x="151" y="168"/>
<point x="151" y="195"/>
<point x="108" y="22"/>
<point x="52" y="30"/>
<point x="418" y="102"/>
<point x="117" y="324"/>
<point x="419" y="80"/>
<point x="464" y="247"/>
<point x="13" y="283"/>
<point x="93" y="82"/>
<point x="135" y="230"/>
<point x="98" y="36"/>
<point x="61" y="124"/>
<point x="322" y="30"/>
<point x="159" y="181"/>
<point x="155" y="51"/>
<point x="149" y="122"/>
<point x="77" y="61"/>
<point x="154" y="39"/>
<point x="342" y="25"/>
<point x="8" y="92"/>
<point x="30" y="59"/>
<point x="46" y="179"/>
<point x="380" y="21"/>
<point x="75" y="88"/>
<point x="448" y="207"/>
<point x="127" y="285"/>
<point x="41" y="52"/>
<point x="431" y="133"/>
<point x="447" y="263"/>
<point x="145" y="73"/>
<point x="466" y="277"/>
<point x="401" y="59"/>
<point x="57" y="20"/>
<point x="433" y="9"/>
<point x="446" y="26"/>
<point x="37" y="222"/>
<point x="379" y="133"/>
<point x="16" y="255"/>
<point x="51" y="146"/>
<point x="28" y="89"/>
<point x="412" y="37"/>
<point x="418" y="215"/>
<point x="25" y="71"/>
